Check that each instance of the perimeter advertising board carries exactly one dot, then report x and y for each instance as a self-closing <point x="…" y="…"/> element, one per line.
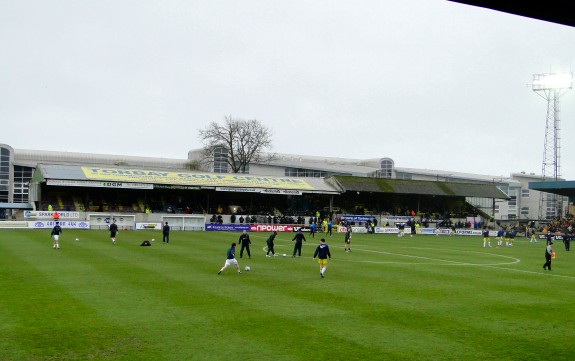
<point x="50" y="214"/>
<point x="63" y="224"/>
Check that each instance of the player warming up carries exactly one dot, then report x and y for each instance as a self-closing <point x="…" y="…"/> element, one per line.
<point x="322" y="252"/>
<point x="113" y="231"/>
<point x="56" y="231"/>
<point x="348" y="240"/>
<point x="299" y="237"/>
<point x="231" y="259"/>
<point x="270" y="244"/>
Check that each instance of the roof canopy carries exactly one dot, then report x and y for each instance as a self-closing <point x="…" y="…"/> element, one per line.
<point x="402" y="186"/>
<point x="106" y="177"/>
<point x="564" y="188"/>
<point x="555" y="11"/>
<point x="134" y="178"/>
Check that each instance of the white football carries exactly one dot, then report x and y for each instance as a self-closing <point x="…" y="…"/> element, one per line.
<point x="247" y="268"/>
<point x="285" y="255"/>
<point x="153" y="240"/>
<point x="77" y="239"/>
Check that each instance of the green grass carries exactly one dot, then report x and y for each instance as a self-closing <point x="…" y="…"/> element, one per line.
<point x="421" y="298"/>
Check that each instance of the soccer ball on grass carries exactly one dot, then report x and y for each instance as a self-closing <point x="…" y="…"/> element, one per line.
<point x="247" y="268"/>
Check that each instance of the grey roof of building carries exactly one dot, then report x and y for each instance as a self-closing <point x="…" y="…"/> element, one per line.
<point x="451" y="175"/>
<point x="33" y="157"/>
<point x="328" y="164"/>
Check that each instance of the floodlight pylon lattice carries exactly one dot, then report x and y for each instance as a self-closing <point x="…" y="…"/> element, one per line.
<point x="551" y="87"/>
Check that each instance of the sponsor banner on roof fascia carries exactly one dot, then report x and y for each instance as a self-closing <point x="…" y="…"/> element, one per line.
<point x="50" y="214"/>
<point x="227" y="227"/>
<point x="63" y="224"/>
<point x="292" y="192"/>
<point x="235" y="189"/>
<point x="271" y="228"/>
<point x="192" y="178"/>
<point x="148" y="225"/>
<point x="97" y="184"/>
<point x="176" y="186"/>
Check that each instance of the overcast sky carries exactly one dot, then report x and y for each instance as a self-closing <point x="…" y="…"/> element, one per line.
<point x="429" y="83"/>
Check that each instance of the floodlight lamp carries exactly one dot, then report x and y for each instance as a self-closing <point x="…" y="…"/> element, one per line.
<point x="552" y="81"/>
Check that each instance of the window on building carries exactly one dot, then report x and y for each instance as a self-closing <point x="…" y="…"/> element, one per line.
<point x="402" y="175"/>
<point x="220" y="160"/>
<point x="4" y="174"/>
<point x="302" y="172"/>
<point x="524" y="193"/>
<point x="511" y="211"/>
<point x="524" y="211"/>
<point x="386" y="170"/>
<point x="22" y="177"/>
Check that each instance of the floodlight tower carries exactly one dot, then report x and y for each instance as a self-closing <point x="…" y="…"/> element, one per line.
<point x="551" y="87"/>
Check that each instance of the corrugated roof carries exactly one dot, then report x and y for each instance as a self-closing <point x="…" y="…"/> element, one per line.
<point x="401" y="186"/>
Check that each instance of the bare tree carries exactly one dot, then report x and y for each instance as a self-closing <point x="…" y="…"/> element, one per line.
<point x="243" y="142"/>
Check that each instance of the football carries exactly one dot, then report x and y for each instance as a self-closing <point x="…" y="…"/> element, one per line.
<point x="247" y="268"/>
<point x="77" y="239"/>
<point x="285" y="255"/>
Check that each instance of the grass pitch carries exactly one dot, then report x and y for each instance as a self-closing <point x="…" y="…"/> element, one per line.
<point x="420" y="298"/>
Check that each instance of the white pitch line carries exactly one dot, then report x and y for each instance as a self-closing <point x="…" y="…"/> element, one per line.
<point x="443" y="261"/>
<point x="455" y="263"/>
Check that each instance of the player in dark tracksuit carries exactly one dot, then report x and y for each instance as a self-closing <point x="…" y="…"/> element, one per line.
<point x="298" y="238"/>
<point x="270" y="243"/>
<point x="113" y="231"/>
<point x="56" y="234"/>
<point x="347" y="240"/>
<point x="322" y="252"/>
<point x="245" y="242"/>
<point x="548" y="255"/>
<point x="166" y="233"/>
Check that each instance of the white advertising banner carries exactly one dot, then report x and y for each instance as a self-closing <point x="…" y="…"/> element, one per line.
<point x="148" y="226"/>
<point x="292" y="192"/>
<point x="468" y="232"/>
<point x="63" y="224"/>
<point x="50" y="214"/>
<point x="236" y="189"/>
<point x="387" y="230"/>
<point x="97" y="184"/>
<point x="396" y="219"/>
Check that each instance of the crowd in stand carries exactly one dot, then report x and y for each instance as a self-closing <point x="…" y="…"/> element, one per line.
<point x="560" y="225"/>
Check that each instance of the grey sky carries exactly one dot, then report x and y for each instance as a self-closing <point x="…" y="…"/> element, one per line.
<point x="429" y="83"/>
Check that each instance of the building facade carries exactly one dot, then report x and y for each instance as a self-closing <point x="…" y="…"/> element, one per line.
<point x="17" y="168"/>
